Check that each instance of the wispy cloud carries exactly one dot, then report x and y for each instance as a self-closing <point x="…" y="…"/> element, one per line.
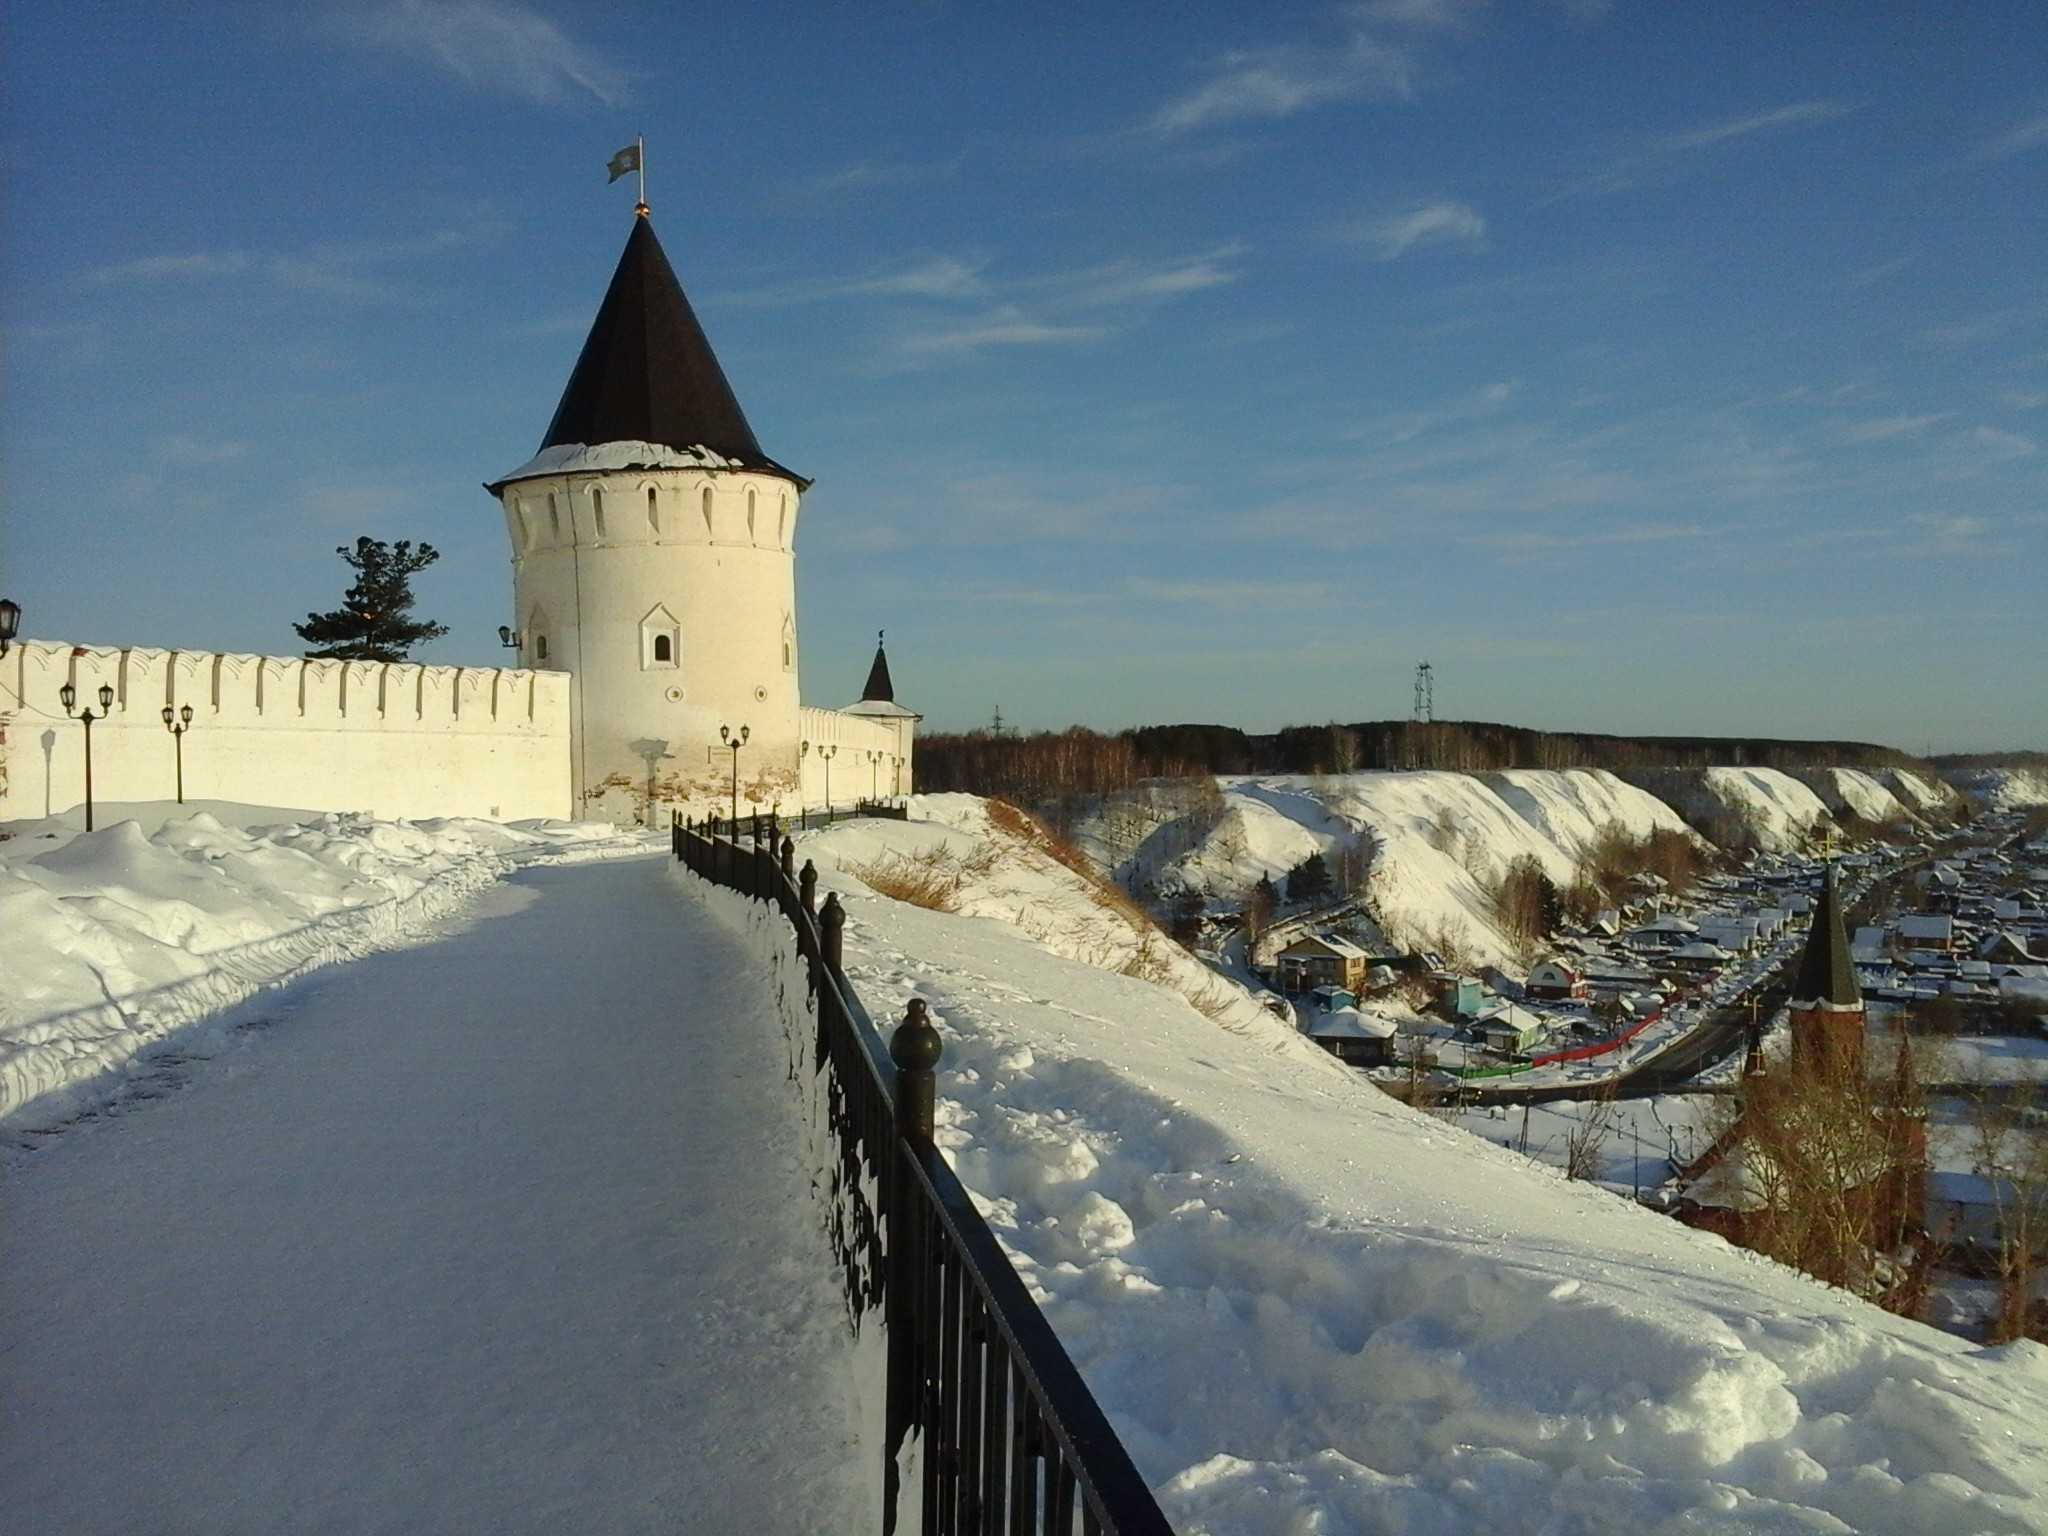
<point x="1529" y="542"/>
<point x="2025" y="399"/>
<point x="940" y="277"/>
<point x="1006" y="326"/>
<point x="1441" y="222"/>
<point x="1662" y="157"/>
<point x="1119" y="283"/>
<point x="1998" y="445"/>
<point x="349" y="270"/>
<point x="1424" y="15"/>
<point x="149" y="269"/>
<point x="182" y="448"/>
<point x="2018" y="139"/>
<point x="489" y="45"/>
<point x="1288" y="78"/>
<point x="1865" y="277"/>
<point x="874" y="175"/>
<point x="1884" y="429"/>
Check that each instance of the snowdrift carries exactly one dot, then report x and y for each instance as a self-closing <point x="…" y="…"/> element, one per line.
<point x="1437" y="840"/>
<point x="111" y="939"/>
<point x="1307" y="1307"/>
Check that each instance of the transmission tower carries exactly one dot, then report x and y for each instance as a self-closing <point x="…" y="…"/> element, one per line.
<point x="1425" y="693"/>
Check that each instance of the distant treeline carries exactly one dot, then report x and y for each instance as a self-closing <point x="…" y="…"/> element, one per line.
<point x="2037" y="760"/>
<point x="1037" y="768"/>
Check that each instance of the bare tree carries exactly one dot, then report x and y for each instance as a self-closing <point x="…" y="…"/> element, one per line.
<point x="1583" y="1142"/>
<point x="2009" y="1141"/>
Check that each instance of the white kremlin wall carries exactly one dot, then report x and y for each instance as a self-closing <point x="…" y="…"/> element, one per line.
<point x="852" y="774"/>
<point x="392" y="740"/>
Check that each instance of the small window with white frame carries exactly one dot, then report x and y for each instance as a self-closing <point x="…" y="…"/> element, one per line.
<point x="661" y="641"/>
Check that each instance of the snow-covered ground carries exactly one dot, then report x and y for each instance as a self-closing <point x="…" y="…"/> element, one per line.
<point x="1739" y="807"/>
<point x="507" y="1232"/>
<point x="1307" y="1307"/>
<point x="1438" y="840"/>
<point x="1856" y="792"/>
<point x="2002" y="789"/>
<point x="165" y="914"/>
<point x="1635" y="1142"/>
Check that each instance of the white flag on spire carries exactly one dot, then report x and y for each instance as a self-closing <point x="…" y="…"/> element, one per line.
<point x="624" y="163"/>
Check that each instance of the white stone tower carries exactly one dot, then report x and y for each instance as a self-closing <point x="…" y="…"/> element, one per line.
<point x="653" y="558"/>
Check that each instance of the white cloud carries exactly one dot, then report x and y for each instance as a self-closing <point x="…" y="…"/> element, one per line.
<point x="1288" y="78"/>
<point x="1424" y="15"/>
<point x="868" y="175"/>
<point x="941" y="277"/>
<point x="1998" y="445"/>
<point x="2025" y="399"/>
<point x="1006" y="326"/>
<point x="152" y="268"/>
<point x="2018" y="139"/>
<point x="1661" y="157"/>
<point x="1756" y="122"/>
<point x="1885" y="428"/>
<point x="490" y="45"/>
<point x="1134" y="281"/>
<point x="1442" y="222"/>
<point x="1529" y="542"/>
<point x="183" y="448"/>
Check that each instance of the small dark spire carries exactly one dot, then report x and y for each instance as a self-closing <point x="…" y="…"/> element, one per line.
<point x="879" y="689"/>
<point x="1825" y="972"/>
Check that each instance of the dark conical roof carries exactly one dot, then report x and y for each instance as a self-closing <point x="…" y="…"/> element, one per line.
<point x="880" y="690"/>
<point x="1825" y="972"/>
<point x="647" y="373"/>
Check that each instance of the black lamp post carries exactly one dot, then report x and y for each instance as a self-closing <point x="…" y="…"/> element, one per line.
<point x="10" y="623"/>
<point x="826" y="754"/>
<point x="735" y="742"/>
<point x="69" y="695"/>
<point x="874" y="776"/>
<point x="178" y="723"/>
<point x="510" y="638"/>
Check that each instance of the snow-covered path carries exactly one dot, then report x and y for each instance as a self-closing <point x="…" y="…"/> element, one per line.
<point x="504" y="1232"/>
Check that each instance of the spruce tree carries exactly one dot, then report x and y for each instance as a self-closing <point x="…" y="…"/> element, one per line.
<point x="374" y="621"/>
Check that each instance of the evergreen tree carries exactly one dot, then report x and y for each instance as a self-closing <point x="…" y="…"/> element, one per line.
<point x="1309" y="880"/>
<point x="374" y="621"/>
<point x="1258" y="910"/>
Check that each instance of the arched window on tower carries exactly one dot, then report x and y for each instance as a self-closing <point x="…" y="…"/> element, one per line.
<point x="540" y="647"/>
<point x="750" y="516"/>
<point x="537" y="627"/>
<point x="782" y="523"/>
<point x="661" y="641"/>
<point x="707" y="511"/>
<point x="653" y="514"/>
<point x="525" y="517"/>
<point x="597" y="509"/>
<point x="554" y="516"/>
<point x="788" y="645"/>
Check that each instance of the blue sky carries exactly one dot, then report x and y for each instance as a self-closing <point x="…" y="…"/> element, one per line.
<point x="1646" y="367"/>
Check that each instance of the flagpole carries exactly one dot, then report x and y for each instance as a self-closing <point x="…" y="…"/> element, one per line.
<point x="641" y="140"/>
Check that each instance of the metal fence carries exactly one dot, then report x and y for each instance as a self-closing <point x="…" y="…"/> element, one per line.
<point x="1010" y="1439"/>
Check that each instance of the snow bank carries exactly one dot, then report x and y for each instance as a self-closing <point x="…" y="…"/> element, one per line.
<point x="1437" y="839"/>
<point x="1010" y="878"/>
<point x="2001" y="789"/>
<point x="111" y="939"/>
<point x="1306" y="1307"/>
<point x="588" y="458"/>
<point x="1857" y="793"/>
<point x="1921" y="792"/>
<point x="1739" y="807"/>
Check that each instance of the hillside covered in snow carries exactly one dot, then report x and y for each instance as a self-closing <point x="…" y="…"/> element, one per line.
<point x="1307" y="1307"/>
<point x="2001" y="789"/>
<point x="1436" y="841"/>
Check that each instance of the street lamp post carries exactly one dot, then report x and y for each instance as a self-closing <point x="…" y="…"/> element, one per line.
<point x="735" y="742"/>
<point x="69" y="695"/>
<point x="874" y="776"/>
<point x="825" y="755"/>
<point x="10" y="623"/>
<point x="178" y="722"/>
<point x="510" y="638"/>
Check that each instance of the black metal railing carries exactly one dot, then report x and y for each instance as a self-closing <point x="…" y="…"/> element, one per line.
<point x="1009" y="1438"/>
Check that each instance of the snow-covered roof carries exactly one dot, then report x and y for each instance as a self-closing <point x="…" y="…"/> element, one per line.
<point x="1350" y="1024"/>
<point x="1335" y="943"/>
<point x="1927" y="925"/>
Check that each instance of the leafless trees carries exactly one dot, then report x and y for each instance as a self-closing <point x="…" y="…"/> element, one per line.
<point x="1527" y="905"/>
<point x="2008" y="1129"/>
<point x="1588" y="1133"/>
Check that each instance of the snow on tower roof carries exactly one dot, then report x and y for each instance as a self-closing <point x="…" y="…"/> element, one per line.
<point x="647" y="381"/>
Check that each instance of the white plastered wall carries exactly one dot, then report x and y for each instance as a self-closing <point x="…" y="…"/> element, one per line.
<point x="866" y="756"/>
<point x="397" y="740"/>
